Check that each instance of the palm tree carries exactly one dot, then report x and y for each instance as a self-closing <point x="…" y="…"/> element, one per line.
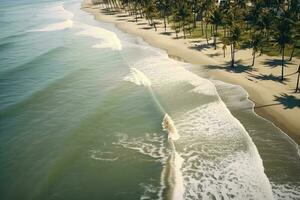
<point x="184" y="14"/>
<point x="295" y="38"/>
<point x="196" y="8"/>
<point x="256" y="43"/>
<point x="208" y="8"/>
<point x="234" y="38"/>
<point x="164" y="7"/>
<point x="216" y="20"/>
<point x="283" y="36"/>
<point x="150" y="10"/>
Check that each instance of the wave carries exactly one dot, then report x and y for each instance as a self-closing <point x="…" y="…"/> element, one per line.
<point x="56" y="26"/>
<point x="108" y="39"/>
<point x="137" y="77"/>
<point x="5" y="45"/>
<point x="221" y="160"/>
<point x="154" y="146"/>
<point x="35" y="62"/>
<point x="168" y="125"/>
<point x="58" y="11"/>
<point x="13" y="36"/>
<point x="172" y="175"/>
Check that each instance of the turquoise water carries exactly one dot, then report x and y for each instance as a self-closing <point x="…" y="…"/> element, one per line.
<point x="81" y="112"/>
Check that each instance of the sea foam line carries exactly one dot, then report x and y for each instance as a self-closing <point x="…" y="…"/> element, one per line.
<point x="66" y="24"/>
<point x="108" y="39"/>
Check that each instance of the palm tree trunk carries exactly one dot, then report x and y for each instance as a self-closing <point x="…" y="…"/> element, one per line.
<point x="206" y="33"/>
<point x="253" y="60"/>
<point x="232" y="55"/>
<point x="215" y="36"/>
<point x="154" y="24"/>
<point x="136" y="13"/>
<point x="194" y="24"/>
<point x="282" y="63"/>
<point x="297" y="86"/>
<point x="292" y="54"/>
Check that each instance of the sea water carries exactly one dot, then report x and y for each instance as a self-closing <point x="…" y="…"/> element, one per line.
<point x="86" y="112"/>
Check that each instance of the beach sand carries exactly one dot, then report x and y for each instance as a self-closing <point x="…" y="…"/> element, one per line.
<point x="274" y="100"/>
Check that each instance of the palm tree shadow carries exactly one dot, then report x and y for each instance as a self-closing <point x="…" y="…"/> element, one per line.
<point x="238" y="67"/>
<point x="201" y="47"/>
<point x="108" y="12"/>
<point x="275" y="62"/>
<point x="142" y="23"/>
<point x="288" y="101"/>
<point x="122" y="19"/>
<point x="214" y="54"/>
<point x="123" y="15"/>
<point x="166" y="33"/>
<point x="133" y="20"/>
<point x="269" y="77"/>
<point x="147" y="28"/>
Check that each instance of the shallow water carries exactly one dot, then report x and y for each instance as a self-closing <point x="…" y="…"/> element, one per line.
<point x="82" y="106"/>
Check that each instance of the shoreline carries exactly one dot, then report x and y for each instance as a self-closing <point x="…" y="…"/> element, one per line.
<point x="274" y="101"/>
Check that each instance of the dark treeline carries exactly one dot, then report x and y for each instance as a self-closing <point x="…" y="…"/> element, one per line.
<point x="262" y="25"/>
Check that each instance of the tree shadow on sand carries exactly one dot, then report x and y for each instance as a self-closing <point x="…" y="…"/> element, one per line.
<point x="270" y="77"/>
<point x="108" y="12"/>
<point x="147" y="28"/>
<point x="123" y="15"/>
<point x="201" y="47"/>
<point x="142" y="23"/>
<point x="214" y="54"/>
<point x="275" y="63"/>
<point x="288" y="101"/>
<point x="238" y="67"/>
<point x="166" y="33"/>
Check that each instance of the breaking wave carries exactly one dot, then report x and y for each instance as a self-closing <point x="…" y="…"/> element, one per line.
<point x="108" y="39"/>
<point x="64" y="14"/>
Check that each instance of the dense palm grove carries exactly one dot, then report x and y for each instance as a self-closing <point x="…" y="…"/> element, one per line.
<point x="266" y="26"/>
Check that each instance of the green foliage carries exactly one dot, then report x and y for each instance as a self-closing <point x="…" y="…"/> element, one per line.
<point x="264" y="25"/>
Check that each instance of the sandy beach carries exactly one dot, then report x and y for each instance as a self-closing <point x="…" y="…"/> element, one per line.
<point x="274" y="100"/>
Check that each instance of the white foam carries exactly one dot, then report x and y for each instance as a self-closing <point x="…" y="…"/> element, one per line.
<point x="166" y="72"/>
<point x="168" y="125"/>
<point x="56" y="26"/>
<point x="220" y="159"/>
<point x="151" y="145"/>
<point x="60" y="11"/>
<point x="154" y="146"/>
<point x="102" y="155"/>
<point x="222" y="162"/>
<point x="175" y="179"/>
<point x="137" y="77"/>
<point x="108" y="39"/>
<point x="286" y="191"/>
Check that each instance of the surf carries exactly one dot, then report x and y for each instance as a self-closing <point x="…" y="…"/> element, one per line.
<point x="63" y="14"/>
<point x="108" y="39"/>
<point x="171" y="177"/>
<point x="56" y="26"/>
<point x="168" y="125"/>
<point x="206" y="126"/>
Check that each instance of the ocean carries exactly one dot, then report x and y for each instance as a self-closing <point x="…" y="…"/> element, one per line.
<point x="85" y="111"/>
